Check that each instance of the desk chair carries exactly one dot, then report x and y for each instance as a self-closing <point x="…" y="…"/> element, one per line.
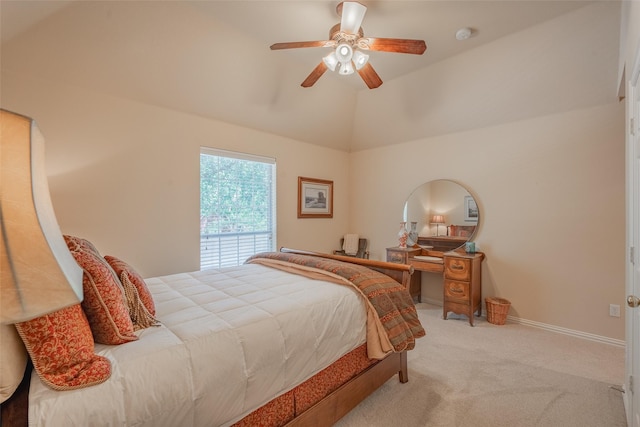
<point x="362" y="249"/>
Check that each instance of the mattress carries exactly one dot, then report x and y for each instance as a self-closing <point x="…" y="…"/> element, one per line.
<point x="230" y="341"/>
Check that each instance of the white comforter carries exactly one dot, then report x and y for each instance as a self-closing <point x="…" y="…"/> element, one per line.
<point x="230" y="341"/>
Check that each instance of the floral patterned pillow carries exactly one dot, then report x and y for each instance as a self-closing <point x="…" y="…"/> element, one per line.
<point x="61" y="347"/>
<point x="104" y="301"/>
<point x="120" y="267"/>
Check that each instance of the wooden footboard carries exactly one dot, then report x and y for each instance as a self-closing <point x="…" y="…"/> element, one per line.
<point x="337" y="404"/>
<point x="349" y="395"/>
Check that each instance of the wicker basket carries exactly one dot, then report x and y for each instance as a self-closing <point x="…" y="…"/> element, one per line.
<point x="497" y="309"/>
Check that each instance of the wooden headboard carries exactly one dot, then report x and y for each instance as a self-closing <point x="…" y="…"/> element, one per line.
<point x="14" y="411"/>
<point x="398" y="272"/>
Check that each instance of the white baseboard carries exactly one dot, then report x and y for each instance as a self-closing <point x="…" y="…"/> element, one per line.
<point x="566" y="331"/>
<point x="432" y="301"/>
<point x="552" y="328"/>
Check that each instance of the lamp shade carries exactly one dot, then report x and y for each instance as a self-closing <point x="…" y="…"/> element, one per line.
<point x="346" y="68"/>
<point x="330" y="61"/>
<point x="360" y="59"/>
<point x="437" y="219"/>
<point x="38" y="273"/>
<point x="344" y="53"/>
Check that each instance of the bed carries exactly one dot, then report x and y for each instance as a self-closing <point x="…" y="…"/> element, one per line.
<point x="289" y="338"/>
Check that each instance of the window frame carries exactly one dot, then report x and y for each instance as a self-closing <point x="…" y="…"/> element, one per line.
<point x="245" y="157"/>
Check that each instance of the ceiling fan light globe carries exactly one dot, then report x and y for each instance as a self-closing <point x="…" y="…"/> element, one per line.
<point x="360" y="59"/>
<point x="346" y="68"/>
<point x="344" y="52"/>
<point x="331" y="61"/>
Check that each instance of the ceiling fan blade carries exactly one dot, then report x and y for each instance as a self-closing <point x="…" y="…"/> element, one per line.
<point x="295" y="45"/>
<point x="416" y="47"/>
<point x="315" y="75"/>
<point x="370" y="77"/>
<point x="352" y="16"/>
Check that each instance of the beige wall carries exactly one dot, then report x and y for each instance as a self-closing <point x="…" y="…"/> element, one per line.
<point x="551" y="195"/>
<point x="630" y="36"/>
<point x="550" y="189"/>
<point x="548" y="176"/>
<point x="126" y="175"/>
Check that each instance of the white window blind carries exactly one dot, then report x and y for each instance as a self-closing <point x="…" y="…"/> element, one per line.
<point x="237" y="207"/>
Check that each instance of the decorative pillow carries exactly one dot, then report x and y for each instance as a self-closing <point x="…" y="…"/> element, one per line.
<point x="61" y="347"/>
<point x="121" y="267"/>
<point x="13" y="358"/>
<point x="104" y="300"/>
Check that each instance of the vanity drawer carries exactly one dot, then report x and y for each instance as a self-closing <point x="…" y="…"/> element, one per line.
<point x="457" y="268"/>
<point x="396" y="257"/>
<point x="429" y="266"/>
<point x="454" y="290"/>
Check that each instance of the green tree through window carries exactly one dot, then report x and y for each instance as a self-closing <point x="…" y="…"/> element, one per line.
<point x="237" y="208"/>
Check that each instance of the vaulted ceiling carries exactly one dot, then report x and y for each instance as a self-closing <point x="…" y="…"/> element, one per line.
<point x="212" y="59"/>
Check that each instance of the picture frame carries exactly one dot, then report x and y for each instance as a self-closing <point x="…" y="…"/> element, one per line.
<point x="315" y="198"/>
<point x="470" y="209"/>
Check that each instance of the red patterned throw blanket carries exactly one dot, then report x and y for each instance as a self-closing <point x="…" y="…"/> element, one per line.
<point x="392" y="320"/>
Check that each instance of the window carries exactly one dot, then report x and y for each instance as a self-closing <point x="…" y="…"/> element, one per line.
<point x="237" y="207"/>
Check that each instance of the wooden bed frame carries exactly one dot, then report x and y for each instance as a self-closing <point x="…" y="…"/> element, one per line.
<point x="337" y="404"/>
<point x="14" y="411"/>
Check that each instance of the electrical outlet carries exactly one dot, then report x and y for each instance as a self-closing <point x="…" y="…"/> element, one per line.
<point x="614" y="310"/>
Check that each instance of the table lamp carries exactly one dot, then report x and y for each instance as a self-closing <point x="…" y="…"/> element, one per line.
<point x="38" y="273"/>
<point x="437" y="220"/>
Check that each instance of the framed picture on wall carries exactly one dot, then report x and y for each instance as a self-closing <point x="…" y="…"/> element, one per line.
<point x="470" y="209"/>
<point x="315" y="198"/>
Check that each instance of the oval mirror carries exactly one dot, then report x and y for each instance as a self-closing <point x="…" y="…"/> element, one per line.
<point x="445" y="213"/>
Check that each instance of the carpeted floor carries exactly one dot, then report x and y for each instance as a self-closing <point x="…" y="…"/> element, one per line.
<point x="489" y="375"/>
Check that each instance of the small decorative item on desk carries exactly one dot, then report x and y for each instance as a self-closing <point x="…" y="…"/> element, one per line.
<point x="412" y="238"/>
<point x="470" y="247"/>
<point x="402" y="235"/>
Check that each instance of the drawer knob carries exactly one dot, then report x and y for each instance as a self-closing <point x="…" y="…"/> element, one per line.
<point x="457" y="267"/>
<point x="456" y="290"/>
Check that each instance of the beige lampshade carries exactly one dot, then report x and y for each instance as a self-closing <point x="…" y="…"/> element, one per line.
<point x="38" y="273"/>
<point x="437" y="219"/>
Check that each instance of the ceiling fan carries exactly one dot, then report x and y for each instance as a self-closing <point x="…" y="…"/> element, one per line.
<point x="350" y="45"/>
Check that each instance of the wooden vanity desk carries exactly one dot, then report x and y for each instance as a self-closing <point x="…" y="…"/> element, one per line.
<point x="462" y="289"/>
